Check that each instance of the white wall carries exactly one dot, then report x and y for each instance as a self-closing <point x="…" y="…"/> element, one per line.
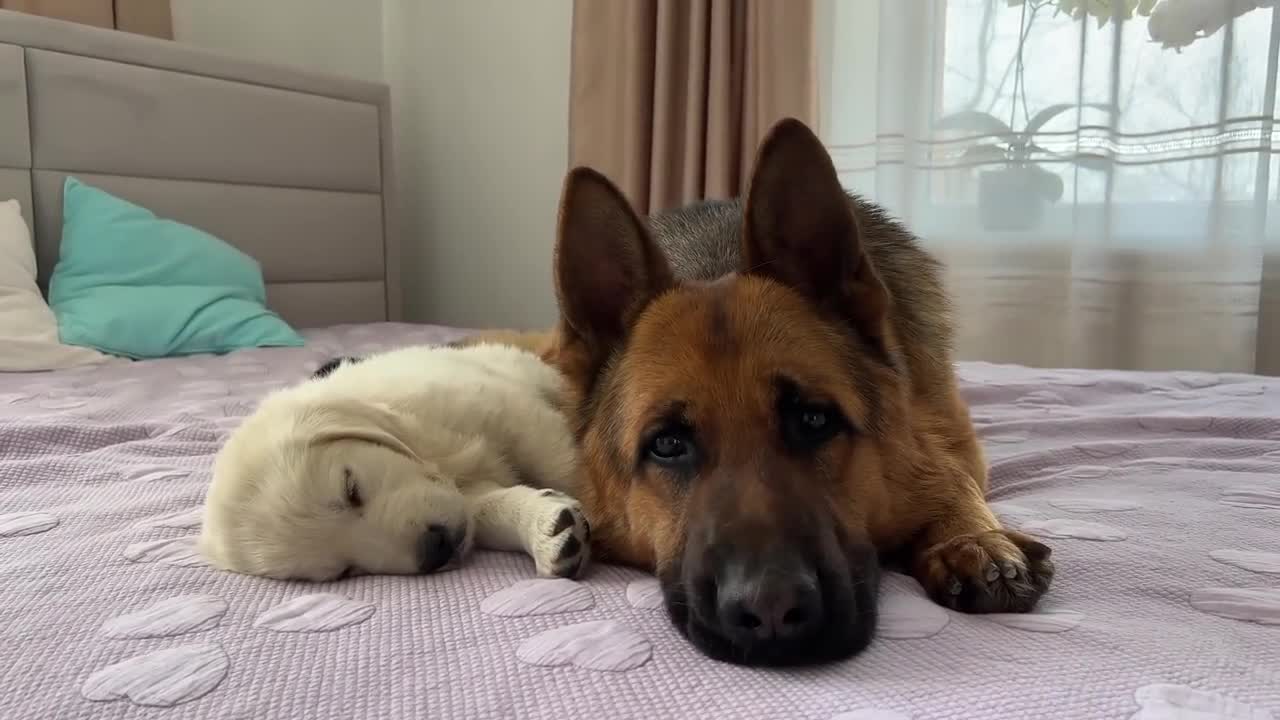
<point x="480" y="90"/>
<point x="343" y="37"/>
<point x="482" y="110"/>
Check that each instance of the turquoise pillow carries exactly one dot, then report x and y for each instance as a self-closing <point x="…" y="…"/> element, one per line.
<point x="129" y="283"/>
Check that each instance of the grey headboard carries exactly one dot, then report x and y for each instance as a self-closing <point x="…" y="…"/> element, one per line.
<point x="292" y="168"/>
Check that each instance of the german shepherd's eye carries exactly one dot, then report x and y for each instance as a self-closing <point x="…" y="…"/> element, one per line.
<point x="352" y="489"/>
<point x="807" y="426"/>
<point x="672" y="446"/>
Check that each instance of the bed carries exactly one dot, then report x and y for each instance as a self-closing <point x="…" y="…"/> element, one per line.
<point x="1158" y="491"/>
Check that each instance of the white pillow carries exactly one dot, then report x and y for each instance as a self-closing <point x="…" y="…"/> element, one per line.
<point x="28" y="329"/>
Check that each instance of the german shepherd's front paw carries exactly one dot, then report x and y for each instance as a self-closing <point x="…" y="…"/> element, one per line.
<point x="992" y="572"/>
<point x="563" y="544"/>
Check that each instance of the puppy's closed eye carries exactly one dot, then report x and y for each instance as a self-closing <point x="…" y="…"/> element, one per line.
<point x="352" y="489"/>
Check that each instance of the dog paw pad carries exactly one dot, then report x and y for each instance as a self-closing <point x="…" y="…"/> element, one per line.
<point x="564" y="522"/>
<point x="571" y="548"/>
<point x="563" y="547"/>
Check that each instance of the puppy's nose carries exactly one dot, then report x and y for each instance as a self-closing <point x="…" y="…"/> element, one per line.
<point x="760" y="607"/>
<point x="435" y="549"/>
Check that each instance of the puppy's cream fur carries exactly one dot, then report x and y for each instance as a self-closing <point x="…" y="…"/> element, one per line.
<point x="346" y="473"/>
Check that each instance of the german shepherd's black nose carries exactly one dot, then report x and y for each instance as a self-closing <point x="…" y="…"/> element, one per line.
<point x="765" y="604"/>
<point x="785" y="604"/>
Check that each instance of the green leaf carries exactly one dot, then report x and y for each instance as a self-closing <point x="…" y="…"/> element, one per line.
<point x="1049" y="182"/>
<point x="1100" y="163"/>
<point x="1038" y="120"/>
<point x="976" y="121"/>
<point x="984" y="154"/>
<point x="1041" y="118"/>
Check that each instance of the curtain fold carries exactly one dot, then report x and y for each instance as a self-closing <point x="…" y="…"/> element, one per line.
<point x="1103" y="184"/>
<point x="670" y="98"/>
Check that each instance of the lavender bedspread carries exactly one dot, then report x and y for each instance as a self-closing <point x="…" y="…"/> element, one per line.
<point x="1157" y="491"/>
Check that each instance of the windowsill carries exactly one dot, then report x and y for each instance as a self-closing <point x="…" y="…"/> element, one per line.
<point x="1175" y="228"/>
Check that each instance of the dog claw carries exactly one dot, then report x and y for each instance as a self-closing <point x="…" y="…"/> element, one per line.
<point x="1010" y="571"/>
<point x="993" y="573"/>
<point x="956" y="586"/>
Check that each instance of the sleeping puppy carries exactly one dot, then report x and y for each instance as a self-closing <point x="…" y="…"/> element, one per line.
<point x="399" y="463"/>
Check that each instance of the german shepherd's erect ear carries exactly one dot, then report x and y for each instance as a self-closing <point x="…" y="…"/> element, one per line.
<point x="607" y="268"/>
<point x="799" y="229"/>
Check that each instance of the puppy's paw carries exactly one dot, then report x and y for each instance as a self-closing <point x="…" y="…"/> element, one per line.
<point x="992" y="572"/>
<point x="562" y="541"/>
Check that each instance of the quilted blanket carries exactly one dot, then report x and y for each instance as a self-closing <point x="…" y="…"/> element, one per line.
<point x="1158" y="492"/>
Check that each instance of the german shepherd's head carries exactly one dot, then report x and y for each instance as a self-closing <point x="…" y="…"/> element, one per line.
<point x="737" y="433"/>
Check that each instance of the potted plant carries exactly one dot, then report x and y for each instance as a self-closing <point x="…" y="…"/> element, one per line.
<point x="1015" y="188"/>
<point x="1172" y="23"/>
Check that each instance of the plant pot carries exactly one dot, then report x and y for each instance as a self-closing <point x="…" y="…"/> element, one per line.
<point x="1013" y="198"/>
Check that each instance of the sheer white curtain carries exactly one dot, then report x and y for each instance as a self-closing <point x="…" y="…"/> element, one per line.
<point x="1104" y="188"/>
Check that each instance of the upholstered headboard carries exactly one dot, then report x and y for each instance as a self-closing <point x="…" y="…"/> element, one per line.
<point x="290" y="167"/>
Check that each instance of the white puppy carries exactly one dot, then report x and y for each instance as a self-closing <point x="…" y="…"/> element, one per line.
<point x="399" y="463"/>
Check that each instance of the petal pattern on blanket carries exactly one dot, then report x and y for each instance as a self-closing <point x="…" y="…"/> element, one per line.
<point x="1179" y="395"/>
<point x="1197" y="381"/>
<point x="1093" y="505"/>
<point x="1073" y="379"/>
<point x="905" y="613"/>
<point x="1260" y="604"/>
<point x="61" y="403"/>
<point x="161" y="679"/>
<point x="186" y="519"/>
<point x="175" y="616"/>
<point x="1257" y="498"/>
<point x="1042" y="397"/>
<point x="26" y="523"/>
<point x="1241" y="389"/>
<point x="1104" y="450"/>
<point x="1178" y="702"/>
<point x="1176" y="423"/>
<point x="1041" y="621"/>
<point x="603" y="645"/>
<point x="1085" y="472"/>
<point x="1011" y="437"/>
<point x="319" y="612"/>
<point x="157" y="474"/>
<point x="539" y="597"/>
<point x="645" y="593"/>
<point x="1259" y="562"/>
<point x="181" y="552"/>
<point x="1075" y="529"/>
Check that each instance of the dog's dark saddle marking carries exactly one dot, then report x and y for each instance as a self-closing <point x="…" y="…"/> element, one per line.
<point x="326" y="369"/>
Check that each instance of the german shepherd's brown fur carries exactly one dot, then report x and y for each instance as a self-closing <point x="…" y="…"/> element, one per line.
<point x="765" y="401"/>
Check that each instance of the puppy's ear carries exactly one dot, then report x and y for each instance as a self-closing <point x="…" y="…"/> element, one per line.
<point x="607" y="268"/>
<point x="350" y="419"/>
<point x="799" y="229"/>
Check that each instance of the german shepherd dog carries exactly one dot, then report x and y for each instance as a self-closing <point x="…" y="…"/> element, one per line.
<point x="766" y="406"/>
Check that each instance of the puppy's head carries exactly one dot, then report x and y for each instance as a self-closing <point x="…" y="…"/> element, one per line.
<point x="316" y="488"/>
<point x="734" y="432"/>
